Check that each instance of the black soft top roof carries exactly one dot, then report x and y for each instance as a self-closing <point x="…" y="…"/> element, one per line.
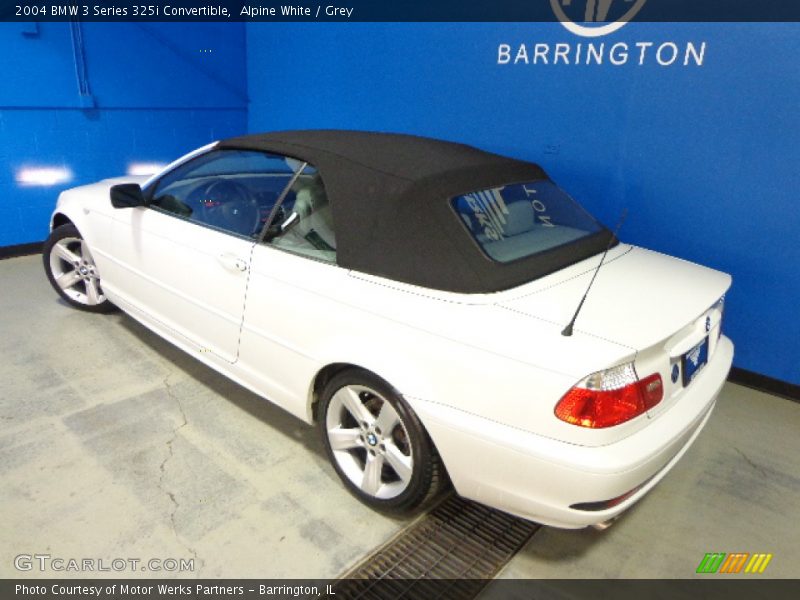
<point x="390" y="194"/>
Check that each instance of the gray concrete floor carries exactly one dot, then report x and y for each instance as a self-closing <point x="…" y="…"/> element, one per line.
<point x="114" y="444"/>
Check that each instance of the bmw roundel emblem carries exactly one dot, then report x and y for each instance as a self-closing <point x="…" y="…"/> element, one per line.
<point x="708" y="324"/>
<point x="675" y="372"/>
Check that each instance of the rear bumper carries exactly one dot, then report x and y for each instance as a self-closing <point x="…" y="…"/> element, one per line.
<point x="541" y="479"/>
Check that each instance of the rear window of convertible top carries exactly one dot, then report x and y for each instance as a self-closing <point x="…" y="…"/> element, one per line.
<point x="523" y="219"/>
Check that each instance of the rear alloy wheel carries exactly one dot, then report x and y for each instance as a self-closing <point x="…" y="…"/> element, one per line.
<point x="71" y="270"/>
<point x="377" y="444"/>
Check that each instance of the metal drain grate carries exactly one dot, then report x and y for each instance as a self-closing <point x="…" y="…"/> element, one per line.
<point x="452" y="552"/>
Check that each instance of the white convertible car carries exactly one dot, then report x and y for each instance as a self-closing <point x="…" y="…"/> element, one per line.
<point x="424" y="303"/>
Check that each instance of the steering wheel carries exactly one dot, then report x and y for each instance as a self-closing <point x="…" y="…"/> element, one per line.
<point x="229" y="205"/>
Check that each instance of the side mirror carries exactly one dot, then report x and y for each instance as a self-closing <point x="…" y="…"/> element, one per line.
<point x="127" y="195"/>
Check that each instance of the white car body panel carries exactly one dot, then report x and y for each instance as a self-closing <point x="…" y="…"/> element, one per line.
<point x="539" y="478"/>
<point x="271" y="320"/>
<point x="182" y="274"/>
<point x="613" y="310"/>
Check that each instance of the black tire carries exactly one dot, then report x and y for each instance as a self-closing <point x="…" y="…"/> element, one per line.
<point x="395" y="493"/>
<point x="66" y="255"/>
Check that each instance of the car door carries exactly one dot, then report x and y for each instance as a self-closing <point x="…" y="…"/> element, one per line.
<point x="185" y="257"/>
<point x="290" y="311"/>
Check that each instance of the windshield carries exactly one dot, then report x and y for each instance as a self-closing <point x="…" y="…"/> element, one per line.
<point x="522" y="219"/>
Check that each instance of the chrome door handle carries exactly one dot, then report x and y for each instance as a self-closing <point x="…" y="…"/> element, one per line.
<point x="232" y="262"/>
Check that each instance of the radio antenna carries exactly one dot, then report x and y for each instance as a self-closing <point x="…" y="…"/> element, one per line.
<point x="568" y="329"/>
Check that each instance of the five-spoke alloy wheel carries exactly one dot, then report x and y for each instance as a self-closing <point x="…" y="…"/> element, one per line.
<point x="71" y="270"/>
<point x="376" y="443"/>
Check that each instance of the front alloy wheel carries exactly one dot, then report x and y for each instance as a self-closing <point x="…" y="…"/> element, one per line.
<point x="377" y="444"/>
<point x="71" y="270"/>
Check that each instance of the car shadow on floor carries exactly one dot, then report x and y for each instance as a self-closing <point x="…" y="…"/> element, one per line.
<point x="554" y="552"/>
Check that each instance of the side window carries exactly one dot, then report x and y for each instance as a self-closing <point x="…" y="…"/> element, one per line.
<point x="230" y="190"/>
<point x="303" y="223"/>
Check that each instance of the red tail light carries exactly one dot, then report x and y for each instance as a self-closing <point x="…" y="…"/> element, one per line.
<point x="610" y="397"/>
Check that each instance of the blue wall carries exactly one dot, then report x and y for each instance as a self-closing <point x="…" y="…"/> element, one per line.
<point x="706" y="158"/>
<point x="157" y="91"/>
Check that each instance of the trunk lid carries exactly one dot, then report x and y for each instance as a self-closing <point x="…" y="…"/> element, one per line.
<point x="638" y="299"/>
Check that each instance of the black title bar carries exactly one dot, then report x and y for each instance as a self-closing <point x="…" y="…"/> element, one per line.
<point x="578" y="11"/>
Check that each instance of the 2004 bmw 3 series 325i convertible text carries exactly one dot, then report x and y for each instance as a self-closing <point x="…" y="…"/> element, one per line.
<point x="410" y="297"/>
